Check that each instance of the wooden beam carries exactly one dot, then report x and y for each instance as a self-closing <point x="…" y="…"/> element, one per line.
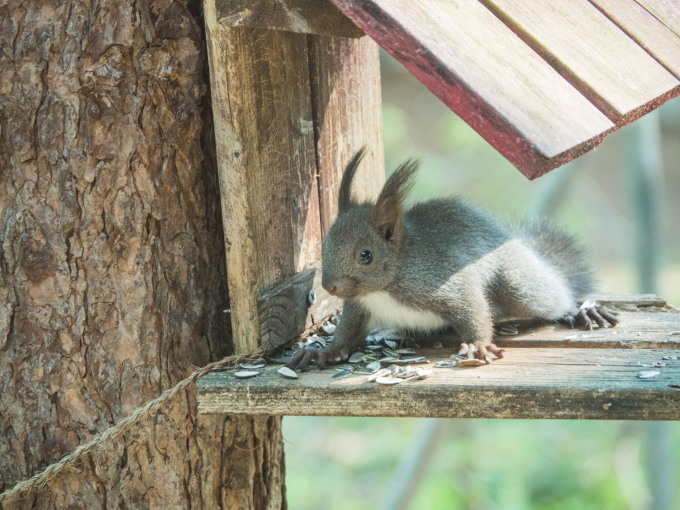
<point x="592" y="53"/>
<point x="266" y="161"/>
<point x="319" y="17"/>
<point x="646" y="30"/>
<point x="347" y="115"/>
<point x="486" y="74"/>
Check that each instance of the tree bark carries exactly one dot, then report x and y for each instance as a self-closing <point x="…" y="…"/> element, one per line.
<point x="112" y="272"/>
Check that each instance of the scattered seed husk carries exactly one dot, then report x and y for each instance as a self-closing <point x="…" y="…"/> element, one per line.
<point x="647" y="374"/>
<point x="390" y="352"/>
<point x="335" y="319"/>
<point x="413" y="361"/>
<point x="508" y="330"/>
<point x="287" y="373"/>
<point x="421" y="373"/>
<point x="375" y="365"/>
<point x="658" y="364"/>
<point x="670" y="357"/>
<point x="405" y="351"/>
<point x="391" y="344"/>
<point x="388" y="380"/>
<point x="383" y="372"/>
<point x="357" y="357"/>
<point x="328" y="328"/>
<point x="389" y="359"/>
<point x="342" y="374"/>
<point x="406" y="374"/>
<point x="252" y="366"/>
<point x="473" y="362"/>
<point x="445" y="364"/>
<point x="245" y="374"/>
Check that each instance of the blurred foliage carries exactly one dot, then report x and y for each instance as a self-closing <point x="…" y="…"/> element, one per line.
<point x="343" y="463"/>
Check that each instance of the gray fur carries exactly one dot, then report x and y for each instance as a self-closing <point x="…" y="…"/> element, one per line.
<point x="443" y="261"/>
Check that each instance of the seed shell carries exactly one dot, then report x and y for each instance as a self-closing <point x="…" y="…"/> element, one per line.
<point x="287" y="373"/>
<point x="245" y="374"/>
<point x="252" y="366"/>
<point x="388" y="380"/>
<point x="647" y="374"/>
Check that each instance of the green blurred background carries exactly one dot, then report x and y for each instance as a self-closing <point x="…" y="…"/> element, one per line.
<point x="349" y="463"/>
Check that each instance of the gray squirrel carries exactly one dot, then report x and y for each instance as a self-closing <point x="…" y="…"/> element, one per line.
<point x="444" y="263"/>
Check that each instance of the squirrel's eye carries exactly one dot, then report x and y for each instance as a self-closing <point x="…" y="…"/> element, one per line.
<point x="365" y="257"/>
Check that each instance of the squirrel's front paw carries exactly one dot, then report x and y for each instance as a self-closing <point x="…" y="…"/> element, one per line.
<point x="591" y="311"/>
<point x="480" y="352"/>
<point x="306" y="355"/>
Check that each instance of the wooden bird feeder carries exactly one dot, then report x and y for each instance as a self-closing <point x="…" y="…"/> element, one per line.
<point x="296" y="90"/>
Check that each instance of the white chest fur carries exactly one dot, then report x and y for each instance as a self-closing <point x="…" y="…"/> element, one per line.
<point x="387" y="312"/>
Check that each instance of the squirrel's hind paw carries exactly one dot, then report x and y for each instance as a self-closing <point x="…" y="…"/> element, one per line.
<point x="472" y="352"/>
<point x="589" y="312"/>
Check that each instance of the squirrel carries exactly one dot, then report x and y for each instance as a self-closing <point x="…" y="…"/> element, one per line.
<point x="444" y="263"/>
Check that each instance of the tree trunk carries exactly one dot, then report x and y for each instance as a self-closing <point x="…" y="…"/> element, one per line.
<point x="112" y="273"/>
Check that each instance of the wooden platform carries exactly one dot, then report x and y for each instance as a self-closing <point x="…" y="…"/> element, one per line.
<point x="548" y="372"/>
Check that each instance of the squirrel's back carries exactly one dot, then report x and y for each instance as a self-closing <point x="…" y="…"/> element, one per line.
<point x="562" y="251"/>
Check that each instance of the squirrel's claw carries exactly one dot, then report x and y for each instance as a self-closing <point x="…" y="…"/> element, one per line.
<point x="306" y="355"/>
<point x="480" y="352"/>
<point x="592" y="311"/>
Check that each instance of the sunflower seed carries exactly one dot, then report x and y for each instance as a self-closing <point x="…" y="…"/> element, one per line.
<point x="252" y="366"/>
<point x="670" y="357"/>
<point x="380" y="373"/>
<point x="374" y="366"/>
<point x="474" y="362"/>
<point x="421" y="373"/>
<point x="287" y="373"/>
<point x="342" y="374"/>
<point x="508" y="330"/>
<point x="445" y="364"/>
<point x="245" y="374"/>
<point x="647" y="374"/>
<point x="328" y="328"/>
<point x="405" y="351"/>
<point x="388" y="380"/>
<point x="357" y="357"/>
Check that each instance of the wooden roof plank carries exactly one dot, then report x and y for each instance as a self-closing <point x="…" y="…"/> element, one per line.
<point x="666" y="11"/>
<point x="597" y="57"/>
<point x="655" y="37"/>
<point x="484" y="72"/>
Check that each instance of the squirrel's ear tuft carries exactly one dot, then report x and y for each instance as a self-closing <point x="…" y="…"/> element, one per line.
<point x="345" y="195"/>
<point x="389" y="208"/>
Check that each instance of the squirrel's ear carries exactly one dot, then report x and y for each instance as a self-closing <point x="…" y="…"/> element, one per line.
<point x="389" y="208"/>
<point x="344" y="197"/>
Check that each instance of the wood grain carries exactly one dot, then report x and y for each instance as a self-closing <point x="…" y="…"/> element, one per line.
<point x="267" y="165"/>
<point x="646" y="30"/>
<point x="547" y="372"/>
<point x="592" y="53"/>
<point x="345" y="76"/>
<point x="319" y="17"/>
<point x="666" y="11"/>
<point x="485" y="73"/>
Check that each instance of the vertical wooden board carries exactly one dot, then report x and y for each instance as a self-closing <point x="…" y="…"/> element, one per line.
<point x="592" y="53"/>
<point x="266" y="161"/>
<point x="486" y="74"/>
<point x="345" y="76"/>
<point x="302" y="16"/>
<point x="645" y="29"/>
<point x="666" y="11"/>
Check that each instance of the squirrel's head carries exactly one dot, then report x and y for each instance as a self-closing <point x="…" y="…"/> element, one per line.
<point x="362" y="252"/>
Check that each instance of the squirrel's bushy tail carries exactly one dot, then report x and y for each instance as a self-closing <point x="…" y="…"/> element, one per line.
<point x="563" y="251"/>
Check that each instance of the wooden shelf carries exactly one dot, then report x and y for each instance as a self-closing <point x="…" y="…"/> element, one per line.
<point x="548" y="372"/>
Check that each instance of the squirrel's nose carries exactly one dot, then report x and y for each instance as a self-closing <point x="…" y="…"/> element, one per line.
<point x="329" y="286"/>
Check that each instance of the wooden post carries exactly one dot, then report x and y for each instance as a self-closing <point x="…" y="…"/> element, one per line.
<point x="287" y="107"/>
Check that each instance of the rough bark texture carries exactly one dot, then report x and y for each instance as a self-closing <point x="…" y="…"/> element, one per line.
<point x="112" y="277"/>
